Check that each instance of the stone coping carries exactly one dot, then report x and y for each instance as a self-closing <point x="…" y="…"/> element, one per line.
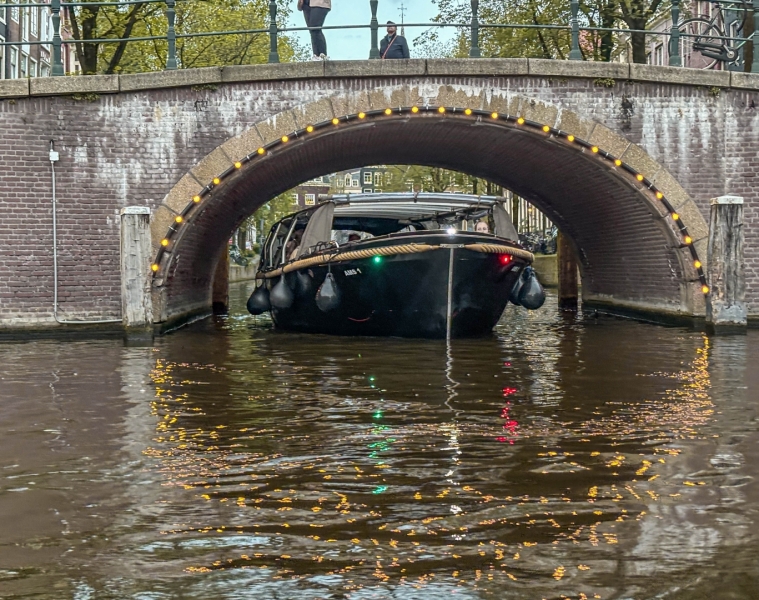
<point x="209" y="77"/>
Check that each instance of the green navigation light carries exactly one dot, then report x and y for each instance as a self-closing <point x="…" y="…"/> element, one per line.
<point x="377" y="260"/>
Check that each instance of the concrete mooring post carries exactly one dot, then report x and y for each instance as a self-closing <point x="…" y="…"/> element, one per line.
<point x="725" y="273"/>
<point x="568" y="284"/>
<point x="136" y="275"/>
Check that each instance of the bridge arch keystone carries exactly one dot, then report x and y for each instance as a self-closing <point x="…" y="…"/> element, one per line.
<point x="641" y="239"/>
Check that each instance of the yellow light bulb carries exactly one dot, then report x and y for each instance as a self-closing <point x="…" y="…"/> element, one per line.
<point x="414" y="109"/>
<point x="261" y="151"/>
<point x="196" y="199"/>
<point x="594" y="149"/>
<point x="238" y="164"/>
<point x="310" y="129"/>
<point x="154" y="268"/>
<point x="388" y="111"/>
<point x="675" y="216"/>
<point x="546" y="128"/>
<point x="216" y="181"/>
<point x="335" y="121"/>
<point x="441" y="110"/>
<point x="697" y="264"/>
<point x="468" y="112"/>
<point x="164" y="243"/>
<point x="571" y="138"/>
<point x="688" y="239"/>
<point x="520" y="120"/>
<point x="639" y="177"/>
<point x="362" y="115"/>
<point x="659" y="195"/>
<point x="705" y="289"/>
<point x="494" y="115"/>
<point x="618" y="162"/>
<point x="285" y="139"/>
<point x="179" y="219"/>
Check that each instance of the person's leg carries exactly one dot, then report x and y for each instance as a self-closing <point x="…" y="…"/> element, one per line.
<point x="307" y="14"/>
<point x="318" y="41"/>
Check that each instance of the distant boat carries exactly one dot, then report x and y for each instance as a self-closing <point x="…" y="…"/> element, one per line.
<point x="408" y="265"/>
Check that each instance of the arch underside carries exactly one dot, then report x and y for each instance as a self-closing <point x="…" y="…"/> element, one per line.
<point x="630" y="256"/>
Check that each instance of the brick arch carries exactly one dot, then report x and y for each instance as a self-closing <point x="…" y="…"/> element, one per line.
<point x="640" y="238"/>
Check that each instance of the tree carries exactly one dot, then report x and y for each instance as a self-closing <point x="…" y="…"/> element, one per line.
<point x="193" y="16"/>
<point x="271" y="212"/>
<point x="546" y="43"/>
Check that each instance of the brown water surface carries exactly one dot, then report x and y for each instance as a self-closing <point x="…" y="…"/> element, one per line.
<point x="560" y="458"/>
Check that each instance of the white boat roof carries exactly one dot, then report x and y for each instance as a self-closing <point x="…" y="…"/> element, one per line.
<point x="407" y="205"/>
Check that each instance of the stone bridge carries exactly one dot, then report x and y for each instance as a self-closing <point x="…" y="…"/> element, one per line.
<point x="623" y="158"/>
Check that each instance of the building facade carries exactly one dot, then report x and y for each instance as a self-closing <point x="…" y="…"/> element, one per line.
<point x="20" y="26"/>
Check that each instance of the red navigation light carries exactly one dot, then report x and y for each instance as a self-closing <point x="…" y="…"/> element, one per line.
<point x="505" y="259"/>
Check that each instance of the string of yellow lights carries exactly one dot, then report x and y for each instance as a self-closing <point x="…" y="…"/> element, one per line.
<point x="507" y="120"/>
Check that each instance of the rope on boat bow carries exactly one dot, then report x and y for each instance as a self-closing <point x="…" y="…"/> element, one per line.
<point x="327" y="259"/>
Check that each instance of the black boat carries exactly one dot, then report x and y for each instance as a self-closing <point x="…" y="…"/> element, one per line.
<point x="412" y="265"/>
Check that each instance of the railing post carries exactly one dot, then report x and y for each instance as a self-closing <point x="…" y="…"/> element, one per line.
<point x="574" y="23"/>
<point x="755" y="39"/>
<point x="273" y="51"/>
<point x="675" y="60"/>
<point x="171" y="36"/>
<point x="374" y="24"/>
<point x="55" y="7"/>
<point x="474" y="51"/>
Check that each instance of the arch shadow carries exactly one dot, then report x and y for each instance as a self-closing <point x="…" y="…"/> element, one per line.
<point x="637" y="234"/>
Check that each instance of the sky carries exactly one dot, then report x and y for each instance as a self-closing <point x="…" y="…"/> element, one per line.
<point x="355" y="44"/>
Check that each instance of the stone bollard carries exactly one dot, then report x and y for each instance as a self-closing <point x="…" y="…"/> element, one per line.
<point x="136" y="275"/>
<point x="725" y="274"/>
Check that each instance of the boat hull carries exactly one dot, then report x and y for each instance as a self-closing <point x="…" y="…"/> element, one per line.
<point x="404" y="295"/>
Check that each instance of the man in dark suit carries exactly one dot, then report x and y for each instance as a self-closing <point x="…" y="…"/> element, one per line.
<point x="393" y="45"/>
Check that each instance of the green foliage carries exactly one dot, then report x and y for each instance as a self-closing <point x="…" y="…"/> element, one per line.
<point x="604" y="82"/>
<point x="273" y="211"/>
<point x="504" y="42"/>
<point x="192" y="16"/>
<point x="406" y="178"/>
<point x="89" y="97"/>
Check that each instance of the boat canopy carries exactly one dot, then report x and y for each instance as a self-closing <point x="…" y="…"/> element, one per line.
<point x="380" y="214"/>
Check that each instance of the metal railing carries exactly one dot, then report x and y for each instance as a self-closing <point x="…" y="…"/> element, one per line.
<point x="274" y="29"/>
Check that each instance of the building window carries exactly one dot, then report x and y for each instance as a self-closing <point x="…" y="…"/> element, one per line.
<point x="44" y="70"/>
<point x="2" y="59"/>
<point x="355" y="182"/>
<point x="310" y="199"/>
<point x="367" y="190"/>
<point x="25" y="24"/>
<point x="388" y="178"/>
<point x="347" y="181"/>
<point x="378" y="179"/>
<point x="34" y="20"/>
<point x="23" y="66"/>
<point x="32" y="68"/>
<point x="14" y="11"/>
<point x="367" y="177"/>
<point x="2" y="15"/>
<point x="14" y="64"/>
<point x="658" y="55"/>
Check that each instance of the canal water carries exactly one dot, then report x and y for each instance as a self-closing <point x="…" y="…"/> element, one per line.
<point x="563" y="457"/>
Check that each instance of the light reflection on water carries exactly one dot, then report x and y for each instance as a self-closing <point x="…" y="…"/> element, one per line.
<point x="559" y="458"/>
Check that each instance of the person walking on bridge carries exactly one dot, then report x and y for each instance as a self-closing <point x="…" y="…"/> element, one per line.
<point x="393" y="45"/>
<point x="315" y="11"/>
